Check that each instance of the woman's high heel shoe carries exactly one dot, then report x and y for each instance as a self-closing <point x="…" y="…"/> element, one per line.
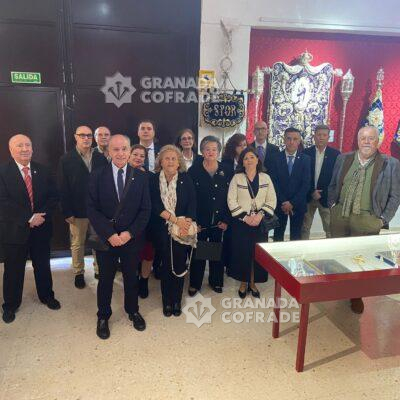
<point x="242" y="295"/>
<point x="254" y="293"/>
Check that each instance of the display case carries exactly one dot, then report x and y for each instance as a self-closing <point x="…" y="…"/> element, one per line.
<point x="330" y="269"/>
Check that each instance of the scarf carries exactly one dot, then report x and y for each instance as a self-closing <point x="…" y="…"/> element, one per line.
<point x="169" y="199"/>
<point x="352" y="199"/>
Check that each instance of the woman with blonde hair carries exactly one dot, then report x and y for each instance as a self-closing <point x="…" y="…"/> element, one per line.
<point x="172" y="226"/>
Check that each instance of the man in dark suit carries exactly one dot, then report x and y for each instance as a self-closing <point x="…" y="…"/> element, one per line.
<point x="28" y="195"/>
<point x="102" y="136"/>
<point x="291" y="175"/>
<point x="109" y="186"/>
<point x="146" y="132"/>
<point x="323" y="160"/>
<point x="266" y="151"/>
<point x="75" y="167"/>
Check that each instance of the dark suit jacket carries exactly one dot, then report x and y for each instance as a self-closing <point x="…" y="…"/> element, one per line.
<point x="102" y="202"/>
<point x="293" y="188"/>
<point x="185" y="205"/>
<point x="211" y="194"/>
<point x="15" y="206"/>
<point x="74" y="179"/>
<point x="270" y="154"/>
<point x="325" y="175"/>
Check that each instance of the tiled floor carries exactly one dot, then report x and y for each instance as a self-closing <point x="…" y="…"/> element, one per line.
<point x="52" y="355"/>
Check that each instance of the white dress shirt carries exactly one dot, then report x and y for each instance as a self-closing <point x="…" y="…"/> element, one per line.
<point x="115" y="170"/>
<point x="319" y="159"/>
<point x="20" y="167"/>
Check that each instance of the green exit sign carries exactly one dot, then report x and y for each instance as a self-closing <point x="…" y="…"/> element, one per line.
<point x="26" y="77"/>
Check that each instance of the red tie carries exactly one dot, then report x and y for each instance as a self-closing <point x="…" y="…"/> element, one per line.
<point x="28" y="183"/>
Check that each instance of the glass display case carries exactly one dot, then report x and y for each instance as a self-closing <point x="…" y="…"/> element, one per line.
<point x="330" y="269"/>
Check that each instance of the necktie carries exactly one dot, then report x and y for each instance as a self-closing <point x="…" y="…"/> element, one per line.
<point x="290" y="164"/>
<point x="120" y="183"/>
<point x="261" y="153"/>
<point x="146" y="161"/>
<point x="28" y="184"/>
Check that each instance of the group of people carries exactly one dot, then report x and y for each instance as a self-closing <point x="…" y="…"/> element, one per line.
<point x="152" y="208"/>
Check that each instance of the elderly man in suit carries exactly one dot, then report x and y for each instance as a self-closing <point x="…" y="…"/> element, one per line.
<point x="28" y="196"/>
<point x="323" y="160"/>
<point x="364" y="193"/>
<point x="75" y="167"/>
<point x="291" y="176"/>
<point x="102" y="136"/>
<point x="266" y="151"/>
<point x="119" y="208"/>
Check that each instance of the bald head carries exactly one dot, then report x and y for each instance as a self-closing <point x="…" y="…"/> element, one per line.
<point x="368" y="142"/>
<point x="102" y="136"/>
<point x="260" y="131"/>
<point x="119" y="149"/>
<point x="21" y="149"/>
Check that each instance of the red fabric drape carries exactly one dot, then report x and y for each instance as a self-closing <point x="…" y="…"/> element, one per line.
<point x="364" y="55"/>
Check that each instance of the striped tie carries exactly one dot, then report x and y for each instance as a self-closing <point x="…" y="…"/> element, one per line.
<point x="28" y="184"/>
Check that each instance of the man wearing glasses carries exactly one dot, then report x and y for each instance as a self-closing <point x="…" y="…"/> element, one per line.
<point x="75" y="167"/>
<point x="266" y="151"/>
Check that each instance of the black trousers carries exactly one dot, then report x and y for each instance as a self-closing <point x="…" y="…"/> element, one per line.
<point x="216" y="273"/>
<point x="171" y="285"/>
<point x="296" y="222"/>
<point x="128" y="254"/>
<point x="15" y="256"/>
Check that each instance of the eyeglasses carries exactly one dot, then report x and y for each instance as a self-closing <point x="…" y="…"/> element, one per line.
<point x="85" y="135"/>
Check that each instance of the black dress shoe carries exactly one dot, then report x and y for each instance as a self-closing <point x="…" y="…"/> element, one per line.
<point x="103" y="331"/>
<point x="53" y="304"/>
<point x="8" y="316"/>
<point x="167" y="311"/>
<point x="138" y="322"/>
<point x="242" y="295"/>
<point x="192" y="292"/>
<point x="177" y="309"/>
<point x="217" y="289"/>
<point x="143" y="287"/>
<point x="254" y="293"/>
<point x="80" y="281"/>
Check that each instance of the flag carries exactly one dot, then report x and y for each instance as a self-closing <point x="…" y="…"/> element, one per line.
<point x="375" y="114"/>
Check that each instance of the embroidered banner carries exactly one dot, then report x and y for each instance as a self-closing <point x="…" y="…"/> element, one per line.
<point x="224" y="110"/>
<point x="299" y="98"/>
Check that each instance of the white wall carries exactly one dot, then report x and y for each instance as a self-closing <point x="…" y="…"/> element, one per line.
<point x="352" y="16"/>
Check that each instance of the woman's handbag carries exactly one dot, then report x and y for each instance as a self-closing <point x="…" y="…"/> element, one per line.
<point x="268" y="223"/>
<point x="211" y="251"/>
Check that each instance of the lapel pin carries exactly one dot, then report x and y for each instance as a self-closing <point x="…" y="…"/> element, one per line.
<point x="34" y="171"/>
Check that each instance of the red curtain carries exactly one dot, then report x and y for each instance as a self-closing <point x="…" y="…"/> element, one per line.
<point x="364" y="55"/>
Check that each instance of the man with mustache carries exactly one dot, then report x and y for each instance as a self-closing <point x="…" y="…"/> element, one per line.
<point x="364" y="193"/>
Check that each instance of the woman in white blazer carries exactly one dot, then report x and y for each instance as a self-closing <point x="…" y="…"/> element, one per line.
<point x="251" y="196"/>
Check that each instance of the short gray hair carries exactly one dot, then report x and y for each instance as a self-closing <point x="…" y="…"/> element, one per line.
<point x="210" y="139"/>
<point x="373" y="128"/>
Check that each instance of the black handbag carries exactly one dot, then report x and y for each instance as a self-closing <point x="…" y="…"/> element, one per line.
<point x="268" y="223"/>
<point x="211" y="251"/>
<point x="93" y="240"/>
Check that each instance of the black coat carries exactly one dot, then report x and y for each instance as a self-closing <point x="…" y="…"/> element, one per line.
<point x="211" y="195"/>
<point x="102" y="202"/>
<point x="185" y="204"/>
<point x="74" y="180"/>
<point x="15" y="206"/>
<point x="325" y="175"/>
<point x="293" y="188"/>
<point x="270" y="154"/>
